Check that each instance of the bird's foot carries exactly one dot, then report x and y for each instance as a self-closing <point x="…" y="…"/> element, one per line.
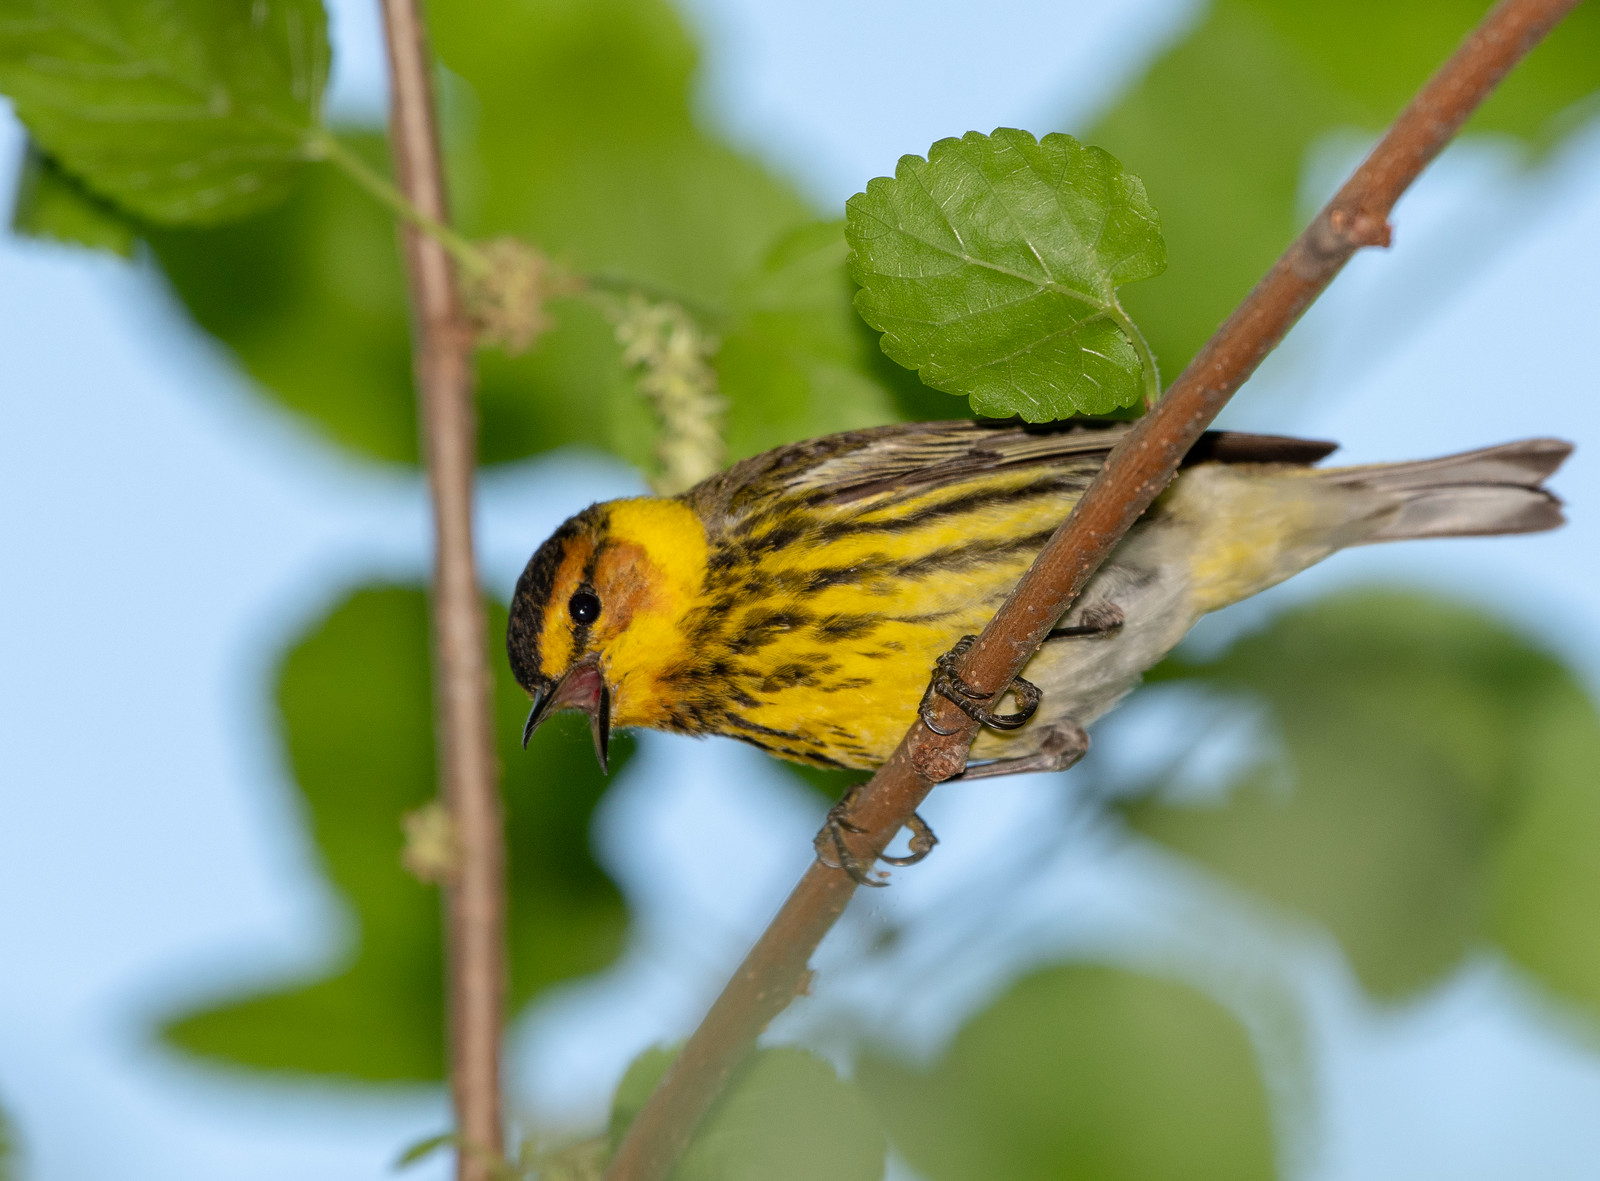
<point x="1098" y="620"/>
<point x="1064" y="743"/>
<point x="833" y="847"/>
<point x="947" y="683"/>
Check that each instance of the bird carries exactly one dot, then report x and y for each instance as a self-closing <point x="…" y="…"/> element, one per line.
<point x="800" y="599"/>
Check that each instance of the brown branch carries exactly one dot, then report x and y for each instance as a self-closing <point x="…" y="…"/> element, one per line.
<point x="475" y="892"/>
<point x="1135" y="473"/>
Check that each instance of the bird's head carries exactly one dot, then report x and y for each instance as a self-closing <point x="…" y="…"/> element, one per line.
<point x="598" y="612"/>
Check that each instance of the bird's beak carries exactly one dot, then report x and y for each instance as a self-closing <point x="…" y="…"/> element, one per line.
<point x="583" y="687"/>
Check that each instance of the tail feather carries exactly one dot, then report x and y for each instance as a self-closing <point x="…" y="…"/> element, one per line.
<point x="1475" y="494"/>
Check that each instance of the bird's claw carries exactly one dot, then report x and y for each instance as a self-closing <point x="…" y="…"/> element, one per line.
<point x="922" y="843"/>
<point x="830" y="839"/>
<point x="947" y="683"/>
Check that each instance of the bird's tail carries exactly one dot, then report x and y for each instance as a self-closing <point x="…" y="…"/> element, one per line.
<point x="1474" y="494"/>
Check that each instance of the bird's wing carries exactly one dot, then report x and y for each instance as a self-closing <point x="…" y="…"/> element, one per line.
<point x="860" y="465"/>
<point x="857" y="465"/>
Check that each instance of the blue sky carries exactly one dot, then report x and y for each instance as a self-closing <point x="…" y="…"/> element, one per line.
<point x="165" y="530"/>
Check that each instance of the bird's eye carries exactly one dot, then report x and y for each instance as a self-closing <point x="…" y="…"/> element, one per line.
<point x="584" y="606"/>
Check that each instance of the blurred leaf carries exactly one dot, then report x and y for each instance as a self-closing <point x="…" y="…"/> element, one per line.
<point x="1220" y="128"/>
<point x="1545" y="894"/>
<point x="581" y="136"/>
<point x="796" y="361"/>
<point x="355" y="701"/>
<point x="992" y="268"/>
<point x="583" y="1160"/>
<point x="786" y="1116"/>
<point x="1084" y="1072"/>
<point x="830" y="783"/>
<point x="582" y="139"/>
<point x="1379" y="52"/>
<point x="1414" y="731"/>
<point x="566" y="123"/>
<point x="182" y="111"/>
<point x="51" y="204"/>
<point x="567" y="917"/>
<point x="310" y="299"/>
<point x="425" y="1148"/>
<point x="10" y="1168"/>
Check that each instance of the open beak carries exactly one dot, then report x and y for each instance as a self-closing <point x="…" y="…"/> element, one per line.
<point x="583" y="687"/>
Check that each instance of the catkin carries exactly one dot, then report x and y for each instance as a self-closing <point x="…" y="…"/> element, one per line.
<point x="671" y="352"/>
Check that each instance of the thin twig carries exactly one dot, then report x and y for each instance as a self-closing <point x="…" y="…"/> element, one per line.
<point x="325" y="145"/>
<point x="475" y="893"/>
<point x="1135" y="473"/>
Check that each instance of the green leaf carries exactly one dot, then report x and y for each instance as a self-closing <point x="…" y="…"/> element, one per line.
<point x="992" y="268"/>
<point x="1418" y="737"/>
<point x="10" y="1154"/>
<point x="1081" y="1071"/>
<point x="1221" y="126"/>
<point x="51" y="204"/>
<point x="311" y="300"/>
<point x="796" y="361"/>
<point x="1544" y="907"/>
<point x="1539" y="101"/>
<point x="181" y="111"/>
<point x="583" y="139"/>
<point x="354" y="696"/>
<point x="425" y="1148"/>
<point x="786" y="1116"/>
<point x="567" y="124"/>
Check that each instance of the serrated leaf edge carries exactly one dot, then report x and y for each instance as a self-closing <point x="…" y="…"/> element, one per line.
<point x="910" y="166"/>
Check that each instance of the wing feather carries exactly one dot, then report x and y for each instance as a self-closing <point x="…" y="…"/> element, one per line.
<point x="860" y="465"/>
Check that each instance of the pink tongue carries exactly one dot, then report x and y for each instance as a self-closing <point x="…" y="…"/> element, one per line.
<point x="579" y="689"/>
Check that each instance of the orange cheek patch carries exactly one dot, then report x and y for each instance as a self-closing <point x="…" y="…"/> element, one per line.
<point x="625" y="579"/>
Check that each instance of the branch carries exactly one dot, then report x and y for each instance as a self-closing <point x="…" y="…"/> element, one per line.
<point x="475" y="893"/>
<point x="1134" y="474"/>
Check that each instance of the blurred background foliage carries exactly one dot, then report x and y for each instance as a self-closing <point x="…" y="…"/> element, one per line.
<point x="785" y="1116"/>
<point x="9" y="1164"/>
<point x="355" y="702"/>
<point x="1083" y="1071"/>
<point x="1221" y="126"/>
<point x="1429" y="785"/>
<point x="1432" y="789"/>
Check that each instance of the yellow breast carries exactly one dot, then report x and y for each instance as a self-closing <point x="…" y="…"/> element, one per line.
<point x="813" y="635"/>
